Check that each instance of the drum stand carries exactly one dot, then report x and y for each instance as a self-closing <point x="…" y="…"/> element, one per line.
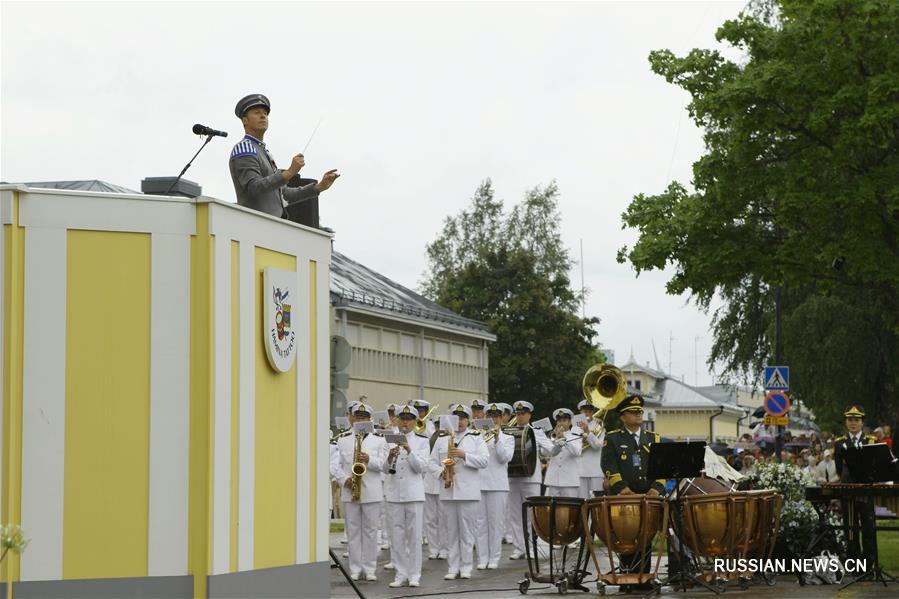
<point x="563" y="580"/>
<point x="688" y="573"/>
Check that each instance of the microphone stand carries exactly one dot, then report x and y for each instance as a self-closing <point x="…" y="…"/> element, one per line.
<point x="187" y="166"/>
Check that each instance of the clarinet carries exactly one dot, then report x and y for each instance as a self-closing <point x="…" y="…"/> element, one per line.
<point x="392" y="469"/>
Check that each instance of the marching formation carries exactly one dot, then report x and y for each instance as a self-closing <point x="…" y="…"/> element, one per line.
<point x="451" y="487"/>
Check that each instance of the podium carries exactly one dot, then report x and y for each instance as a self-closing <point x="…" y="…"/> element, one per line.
<point x="150" y="447"/>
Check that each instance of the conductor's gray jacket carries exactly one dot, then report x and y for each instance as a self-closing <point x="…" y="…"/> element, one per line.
<point x="258" y="182"/>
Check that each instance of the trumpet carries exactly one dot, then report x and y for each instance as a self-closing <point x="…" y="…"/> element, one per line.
<point x="359" y="469"/>
<point x="492" y="434"/>
<point x="422" y="423"/>
<point x="449" y="464"/>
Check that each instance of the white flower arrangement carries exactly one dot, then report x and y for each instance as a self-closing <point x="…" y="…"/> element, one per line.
<point x="798" y="517"/>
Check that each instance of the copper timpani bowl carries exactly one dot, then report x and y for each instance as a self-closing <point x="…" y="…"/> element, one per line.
<point x="626" y="522"/>
<point x="709" y="522"/>
<point x="557" y="520"/>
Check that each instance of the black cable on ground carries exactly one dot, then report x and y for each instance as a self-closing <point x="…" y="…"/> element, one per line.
<point x="345" y="575"/>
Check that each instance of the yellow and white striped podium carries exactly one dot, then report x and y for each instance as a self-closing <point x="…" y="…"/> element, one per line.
<point x="148" y="447"/>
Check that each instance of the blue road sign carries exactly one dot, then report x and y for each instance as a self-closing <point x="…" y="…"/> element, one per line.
<point x="777" y="378"/>
<point x="777" y="403"/>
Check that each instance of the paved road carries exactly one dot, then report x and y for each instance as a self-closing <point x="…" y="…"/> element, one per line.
<point x="503" y="583"/>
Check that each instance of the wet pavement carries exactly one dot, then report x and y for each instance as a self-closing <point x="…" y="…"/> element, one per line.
<point x="504" y="583"/>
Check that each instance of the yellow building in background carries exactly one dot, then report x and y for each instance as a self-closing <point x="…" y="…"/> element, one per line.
<point x="676" y="410"/>
<point x="148" y="446"/>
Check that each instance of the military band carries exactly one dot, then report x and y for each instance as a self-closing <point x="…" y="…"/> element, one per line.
<point x="448" y="487"/>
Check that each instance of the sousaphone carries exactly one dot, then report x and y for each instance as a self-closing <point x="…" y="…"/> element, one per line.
<point x="604" y="386"/>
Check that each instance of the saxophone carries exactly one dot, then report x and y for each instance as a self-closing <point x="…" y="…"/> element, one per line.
<point x="359" y="469"/>
<point x="449" y="472"/>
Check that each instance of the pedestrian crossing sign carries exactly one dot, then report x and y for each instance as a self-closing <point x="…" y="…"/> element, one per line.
<point x="777" y="378"/>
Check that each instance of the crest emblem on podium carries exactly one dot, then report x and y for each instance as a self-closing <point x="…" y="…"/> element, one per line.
<point x="279" y="293"/>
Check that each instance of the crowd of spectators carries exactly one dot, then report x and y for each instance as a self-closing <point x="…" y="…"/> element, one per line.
<point x="811" y="452"/>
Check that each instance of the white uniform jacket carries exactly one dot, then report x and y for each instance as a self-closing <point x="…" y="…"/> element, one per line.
<point x="376" y="449"/>
<point x="406" y="484"/>
<point x="591" y="458"/>
<point x="495" y="477"/>
<point x="333" y="460"/>
<point x="545" y="445"/>
<point x="564" y="468"/>
<point x="467" y="483"/>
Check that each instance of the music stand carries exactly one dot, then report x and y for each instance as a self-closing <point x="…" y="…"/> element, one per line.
<point x="868" y="465"/>
<point x="678" y="460"/>
<point x="305" y="212"/>
<point x="871" y="464"/>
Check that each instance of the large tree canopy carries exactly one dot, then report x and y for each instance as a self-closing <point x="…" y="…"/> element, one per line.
<point x="798" y="189"/>
<point x="511" y="271"/>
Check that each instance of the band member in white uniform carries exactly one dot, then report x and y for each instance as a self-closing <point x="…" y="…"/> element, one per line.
<point x="384" y="423"/>
<point x="507" y="518"/>
<point x="591" y="459"/>
<point x="477" y="409"/>
<point x="521" y="488"/>
<point x="494" y="492"/>
<point x="563" y="474"/>
<point x="406" y="499"/>
<point x="422" y="407"/>
<point x="432" y="515"/>
<point x="350" y="408"/>
<point x="459" y="501"/>
<point x="361" y="517"/>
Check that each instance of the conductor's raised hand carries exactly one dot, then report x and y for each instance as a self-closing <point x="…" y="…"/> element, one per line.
<point x="296" y="164"/>
<point x="327" y="180"/>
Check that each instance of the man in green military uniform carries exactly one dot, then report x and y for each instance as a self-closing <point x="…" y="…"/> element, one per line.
<point x="854" y="417"/>
<point x="625" y="460"/>
<point x="625" y="454"/>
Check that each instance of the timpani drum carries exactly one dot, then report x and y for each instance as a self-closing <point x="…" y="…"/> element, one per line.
<point x="627" y="525"/>
<point x="556" y="521"/>
<point x="709" y="524"/>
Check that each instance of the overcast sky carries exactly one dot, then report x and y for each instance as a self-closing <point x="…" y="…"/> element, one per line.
<point x="418" y="103"/>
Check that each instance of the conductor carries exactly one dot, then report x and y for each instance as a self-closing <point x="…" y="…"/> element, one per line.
<point x="258" y="182"/>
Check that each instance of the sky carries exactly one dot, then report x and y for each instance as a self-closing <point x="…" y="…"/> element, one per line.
<point x="416" y="104"/>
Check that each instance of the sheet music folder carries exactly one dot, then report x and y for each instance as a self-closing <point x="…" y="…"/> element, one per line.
<point x="870" y="464"/>
<point x="676" y="459"/>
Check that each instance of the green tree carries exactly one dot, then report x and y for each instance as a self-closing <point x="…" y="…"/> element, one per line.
<point x="798" y="189"/>
<point x="511" y="271"/>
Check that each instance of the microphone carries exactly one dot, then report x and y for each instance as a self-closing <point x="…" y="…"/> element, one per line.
<point x="204" y="130"/>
